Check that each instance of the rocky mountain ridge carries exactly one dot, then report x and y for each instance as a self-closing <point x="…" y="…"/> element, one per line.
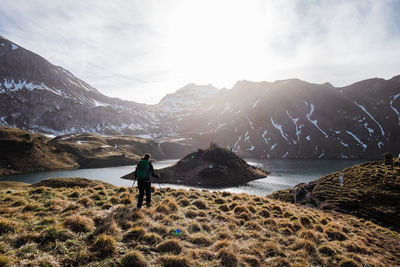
<point x="282" y="119"/>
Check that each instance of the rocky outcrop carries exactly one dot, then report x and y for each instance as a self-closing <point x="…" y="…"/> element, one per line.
<point x="370" y="190"/>
<point x="213" y="167"/>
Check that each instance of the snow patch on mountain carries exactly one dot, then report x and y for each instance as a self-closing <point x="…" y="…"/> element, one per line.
<point x="280" y="129"/>
<point x="100" y="104"/>
<point x="263" y="136"/>
<point x="221" y="125"/>
<point x="236" y="145"/>
<point x="393" y="108"/>
<point x="295" y="120"/>
<point x="9" y="85"/>
<point x="366" y="112"/>
<point x="357" y="139"/>
<point x="380" y="144"/>
<point x="343" y="144"/>
<point x="255" y="103"/>
<point x="186" y="97"/>
<point x="315" y="122"/>
<point x="250" y="122"/>
<point x="226" y="109"/>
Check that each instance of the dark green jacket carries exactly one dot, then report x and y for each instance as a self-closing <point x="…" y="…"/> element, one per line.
<point x="144" y="170"/>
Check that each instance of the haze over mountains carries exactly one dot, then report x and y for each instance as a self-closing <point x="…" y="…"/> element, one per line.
<point x="282" y="119"/>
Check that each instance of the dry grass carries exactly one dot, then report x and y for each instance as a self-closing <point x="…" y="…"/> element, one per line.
<point x="65" y="227"/>
<point x="170" y="246"/>
<point x="174" y="261"/>
<point x="227" y="258"/>
<point x="134" y="258"/>
<point x="370" y="190"/>
<point x="7" y="226"/>
<point x="104" y="246"/>
<point x="78" y="223"/>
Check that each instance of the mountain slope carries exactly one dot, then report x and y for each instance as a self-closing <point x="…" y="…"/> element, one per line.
<point x="296" y="119"/>
<point x="282" y="119"/>
<point x="36" y="95"/>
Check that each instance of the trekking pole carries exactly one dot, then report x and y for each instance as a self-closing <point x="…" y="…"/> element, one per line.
<point x="130" y="191"/>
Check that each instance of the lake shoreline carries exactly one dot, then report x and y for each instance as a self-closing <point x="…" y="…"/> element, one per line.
<point x="285" y="173"/>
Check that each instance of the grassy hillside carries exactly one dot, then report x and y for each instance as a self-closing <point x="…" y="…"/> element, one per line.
<point x="80" y="222"/>
<point x="370" y="190"/>
<point x="22" y="151"/>
<point x="26" y="152"/>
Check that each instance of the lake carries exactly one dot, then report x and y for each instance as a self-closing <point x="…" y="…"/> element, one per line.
<point x="285" y="173"/>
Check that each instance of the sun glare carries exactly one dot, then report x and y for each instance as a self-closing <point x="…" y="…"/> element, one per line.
<point x="219" y="43"/>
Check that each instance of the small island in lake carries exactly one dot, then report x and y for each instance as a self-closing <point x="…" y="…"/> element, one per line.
<point x="214" y="167"/>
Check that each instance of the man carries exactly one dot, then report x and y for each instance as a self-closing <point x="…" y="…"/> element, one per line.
<point x="142" y="173"/>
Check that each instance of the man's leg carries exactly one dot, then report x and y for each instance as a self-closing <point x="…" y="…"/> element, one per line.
<point x="148" y="194"/>
<point x="141" y="194"/>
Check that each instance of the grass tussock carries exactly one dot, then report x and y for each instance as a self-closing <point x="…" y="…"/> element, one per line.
<point x="346" y="262"/>
<point x="227" y="258"/>
<point x="7" y="226"/>
<point x="134" y="258"/>
<point x="200" y="240"/>
<point x="200" y="204"/>
<point x="104" y="246"/>
<point x="64" y="226"/>
<point x="78" y="223"/>
<point x="4" y="261"/>
<point x="170" y="246"/>
<point x="135" y="234"/>
<point x="174" y="261"/>
<point x="335" y="234"/>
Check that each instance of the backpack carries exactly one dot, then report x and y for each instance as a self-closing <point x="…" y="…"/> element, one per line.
<point x="143" y="169"/>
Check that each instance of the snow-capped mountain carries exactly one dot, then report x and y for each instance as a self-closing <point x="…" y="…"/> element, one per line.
<point x="38" y="96"/>
<point x="187" y="98"/>
<point x="296" y="119"/>
<point x="284" y="119"/>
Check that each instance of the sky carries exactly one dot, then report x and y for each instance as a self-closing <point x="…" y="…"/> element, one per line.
<point x="142" y="50"/>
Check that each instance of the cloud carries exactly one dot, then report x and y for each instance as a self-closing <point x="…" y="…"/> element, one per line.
<point x="141" y="50"/>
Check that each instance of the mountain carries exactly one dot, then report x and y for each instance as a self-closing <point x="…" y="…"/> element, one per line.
<point x="187" y="98"/>
<point x="38" y="96"/>
<point x="297" y="119"/>
<point x="282" y="119"/>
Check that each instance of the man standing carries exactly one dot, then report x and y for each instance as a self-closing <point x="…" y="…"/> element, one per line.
<point x="142" y="173"/>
